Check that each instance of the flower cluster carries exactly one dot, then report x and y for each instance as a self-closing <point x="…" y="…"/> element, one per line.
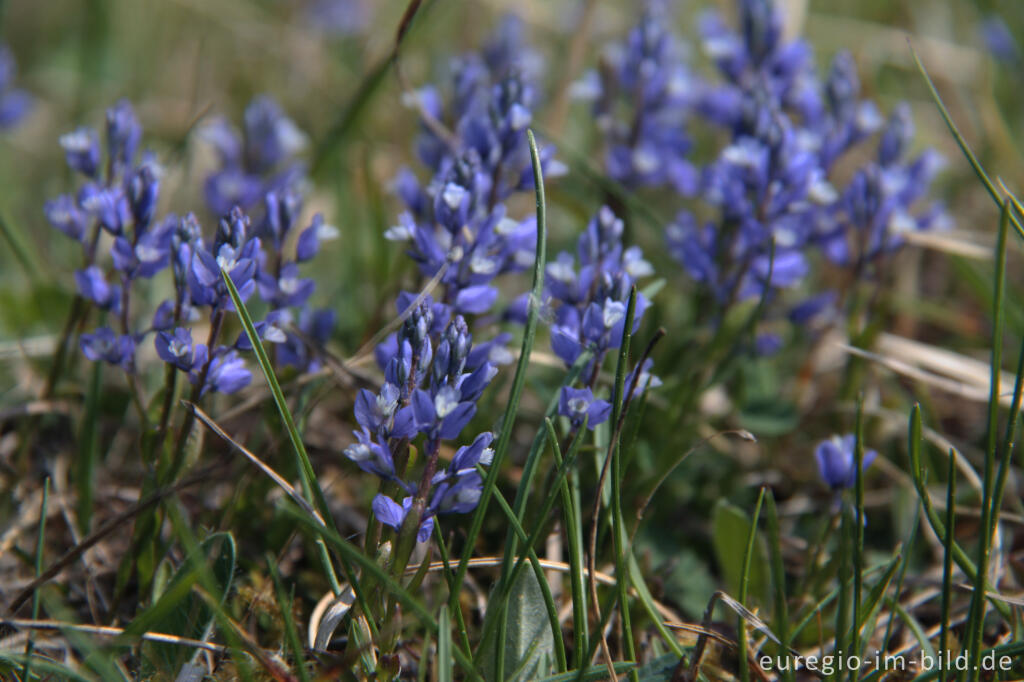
<point x="475" y="146"/>
<point x="589" y="294"/>
<point x="117" y="198"/>
<point x="433" y="378"/>
<point x="773" y="195"/>
<point x="117" y="205"/>
<point x="259" y="159"/>
<point x="14" y="103"/>
<point x="643" y="95"/>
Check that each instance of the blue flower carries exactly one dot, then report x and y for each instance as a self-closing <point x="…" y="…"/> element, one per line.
<point x="65" y="214"/>
<point x="93" y="286"/>
<point x="836" y="461"/>
<point x="648" y="78"/>
<point x="104" y="345"/>
<point x="123" y="136"/>
<point x="579" y="403"/>
<point x="14" y="103"/>
<point x="589" y="293"/>
<point x="255" y="162"/>
<point x="176" y="349"/>
<point x="390" y="513"/>
<point x="227" y="373"/>
<point x="82" y="151"/>
<point x="433" y="380"/>
<point x="458" y="222"/>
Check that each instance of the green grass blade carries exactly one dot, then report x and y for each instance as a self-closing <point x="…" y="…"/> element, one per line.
<point x="574" y="539"/>
<point x="368" y="566"/>
<point x="549" y="602"/>
<point x="780" y="612"/>
<point x="908" y="549"/>
<point x="85" y="463"/>
<point x="311" y="490"/>
<point x="56" y="671"/>
<point x="291" y="633"/>
<point x="745" y="586"/>
<point x="310" y="487"/>
<point x="976" y="617"/>
<point x="962" y="143"/>
<point x="597" y="672"/>
<point x="934" y="520"/>
<point x="858" y="530"/>
<point x="619" y="533"/>
<point x="444" y="646"/>
<point x="518" y="381"/>
<point x="369" y="85"/>
<point x="40" y="544"/>
<point x="21" y="253"/>
<point x="947" y="554"/>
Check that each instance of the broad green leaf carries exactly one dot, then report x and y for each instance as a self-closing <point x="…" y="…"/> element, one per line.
<point x="529" y="644"/>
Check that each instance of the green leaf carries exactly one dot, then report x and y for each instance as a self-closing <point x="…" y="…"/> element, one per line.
<point x="529" y="644"/>
<point x="730" y="528"/>
<point x="445" y="673"/>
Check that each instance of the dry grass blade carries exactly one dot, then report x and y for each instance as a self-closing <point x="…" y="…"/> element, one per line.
<point x="949" y="244"/>
<point x="970" y="392"/>
<point x="273" y="475"/>
<point x="941" y="361"/>
<point x="103" y="531"/>
<point x="110" y="631"/>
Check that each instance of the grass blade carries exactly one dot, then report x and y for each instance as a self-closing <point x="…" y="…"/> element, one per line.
<point x="778" y="573"/>
<point x="291" y="633"/>
<point x="858" y="530"/>
<point x="40" y="544"/>
<point x="976" y="617"/>
<point x="745" y="586"/>
<point x="444" y="646"/>
<point x="370" y="567"/>
<point x="962" y="143"/>
<point x="518" y="381"/>
<point x="947" y="554"/>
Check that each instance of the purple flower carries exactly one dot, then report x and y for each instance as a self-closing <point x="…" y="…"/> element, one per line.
<point x="149" y="255"/>
<point x="431" y="389"/>
<point x="836" y="461"/>
<point x="123" y="135"/>
<point x="82" y="151"/>
<point x="259" y="160"/>
<point x="93" y="286"/>
<point x="310" y="239"/>
<point x="106" y="346"/>
<point x="370" y="456"/>
<point x="390" y="513"/>
<point x="65" y="214"/>
<point x="457" y="224"/>
<point x="589" y="293"/>
<point x="233" y="251"/>
<point x="176" y="349"/>
<point x="14" y="103"/>
<point x="647" y="77"/>
<point x="579" y="404"/>
<point x="999" y="39"/>
<point x="227" y="373"/>
<point x="143" y="188"/>
<point x="287" y="289"/>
